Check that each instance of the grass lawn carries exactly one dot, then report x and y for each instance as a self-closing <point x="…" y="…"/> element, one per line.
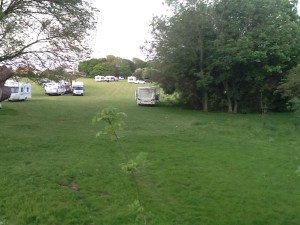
<point x="203" y="168"/>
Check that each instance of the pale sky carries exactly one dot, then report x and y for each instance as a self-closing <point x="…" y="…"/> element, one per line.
<point x="123" y="27"/>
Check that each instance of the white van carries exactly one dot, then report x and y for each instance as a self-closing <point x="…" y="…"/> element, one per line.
<point x="19" y="91"/>
<point x="54" y="88"/>
<point x="77" y="88"/>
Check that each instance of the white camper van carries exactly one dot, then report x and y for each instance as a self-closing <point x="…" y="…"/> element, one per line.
<point x="54" y="88"/>
<point x="19" y="91"/>
<point x="146" y="95"/>
<point x="77" y="88"/>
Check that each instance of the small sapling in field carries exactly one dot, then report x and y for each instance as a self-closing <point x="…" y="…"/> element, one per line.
<point x="113" y="123"/>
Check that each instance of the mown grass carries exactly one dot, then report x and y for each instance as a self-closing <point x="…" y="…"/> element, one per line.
<point x="203" y="168"/>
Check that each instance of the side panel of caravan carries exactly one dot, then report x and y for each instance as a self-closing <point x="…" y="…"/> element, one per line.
<point x="19" y="91"/>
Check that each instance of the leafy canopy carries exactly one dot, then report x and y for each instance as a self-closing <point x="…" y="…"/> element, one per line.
<point x="44" y="32"/>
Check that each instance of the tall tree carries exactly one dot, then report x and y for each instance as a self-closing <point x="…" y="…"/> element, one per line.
<point x="182" y="45"/>
<point x="257" y="42"/>
<point x="44" y="32"/>
<point x="246" y="47"/>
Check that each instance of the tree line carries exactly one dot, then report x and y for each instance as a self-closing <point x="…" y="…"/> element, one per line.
<point x="228" y="54"/>
<point x="111" y="65"/>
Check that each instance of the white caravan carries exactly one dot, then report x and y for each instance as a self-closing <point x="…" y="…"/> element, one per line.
<point x="77" y="88"/>
<point x="19" y="91"/>
<point x="54" y="88"/>
<point x="131" y="79"/>
<point x="146" y="95"/>
<point x="100" y="78"/>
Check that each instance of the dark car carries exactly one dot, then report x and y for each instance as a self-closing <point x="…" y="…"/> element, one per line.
<point x="68" y="90"/>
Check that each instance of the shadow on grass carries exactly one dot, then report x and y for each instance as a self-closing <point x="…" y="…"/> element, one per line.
<point x="8" y="112"/>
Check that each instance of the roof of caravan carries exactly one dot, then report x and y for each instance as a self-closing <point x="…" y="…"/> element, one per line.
<point x="13" y="83"/>
<point x="146" y="87"/>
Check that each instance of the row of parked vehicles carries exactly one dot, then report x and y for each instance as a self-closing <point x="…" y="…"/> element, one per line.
<point x="99" y="78"/>
<point x="60" y="88"/>
<point x="130" y="79"/>
<point x="22" y="91"/>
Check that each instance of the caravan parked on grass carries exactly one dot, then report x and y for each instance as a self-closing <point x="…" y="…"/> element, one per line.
<point x="19" y="91"/>
<point x="146" y="96"/>
<point x="100" y="78"/>
<point x="131" y="79"/>
<point x="54" y="88"/>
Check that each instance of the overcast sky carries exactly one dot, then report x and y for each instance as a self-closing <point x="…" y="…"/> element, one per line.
<point x="123" y="27"/>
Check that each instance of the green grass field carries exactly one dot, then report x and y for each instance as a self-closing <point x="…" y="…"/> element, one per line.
<point x="203" y="168"/>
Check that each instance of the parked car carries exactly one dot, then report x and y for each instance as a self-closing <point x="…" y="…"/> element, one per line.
<point x="68" y="89"/>
<point x="139" y="82"/>
<point x="111" y="78"/>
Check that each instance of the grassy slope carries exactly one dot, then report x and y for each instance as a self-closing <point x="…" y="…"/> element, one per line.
<point x="204" y="168"/>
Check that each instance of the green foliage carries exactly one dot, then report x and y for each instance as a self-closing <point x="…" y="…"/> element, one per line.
<point x="204" y="80"/>
<point x="110" y="65"/>
<point x="295" y="104"/>
<point x="290" y="86"/>
<point x="245" y="47"/>
<point x="58" y="31"/>
<point x="113" y="120"/>
<point x="138" y="210"/>
<point x="139" y="63"/>
<point x="87" y="66"/>
<point x="133" y="165"/>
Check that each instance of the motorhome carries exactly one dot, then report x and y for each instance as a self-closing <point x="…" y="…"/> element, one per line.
<point x="19" y="91"/>
<point x="147" y="95"/>
<point x="54" y="88"/>
<point x="100" y="78"/>
<point x="77" y="88"/>
<point x="131" y="79"/>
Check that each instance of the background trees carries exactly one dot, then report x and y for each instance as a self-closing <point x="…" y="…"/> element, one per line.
<point x="110" y="65"/>
<point x="227" y="53"/>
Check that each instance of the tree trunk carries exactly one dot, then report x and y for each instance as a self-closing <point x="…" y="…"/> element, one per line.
<point x="229" y="104"/>
<point x="5" y="92"/>
<point x="205" y="101"/>
<point x="235" y="106"/>
<point x="5" y="73"/>
<point x="225" y="84"/>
